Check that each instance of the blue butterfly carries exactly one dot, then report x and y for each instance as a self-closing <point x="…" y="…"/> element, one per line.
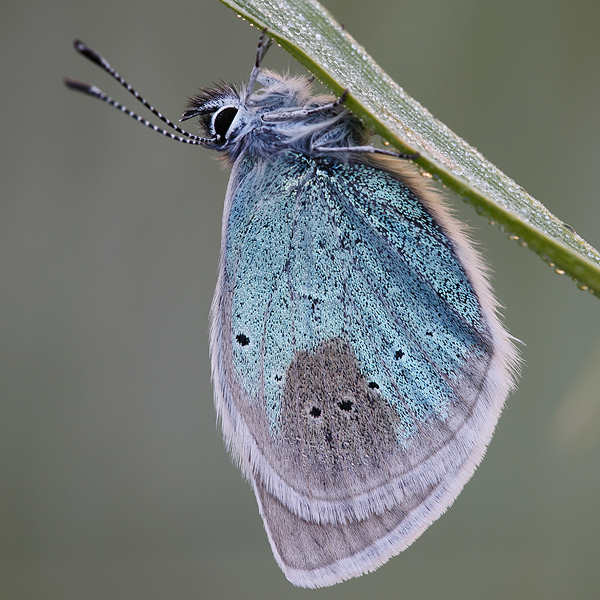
<point x="358" y="361"/>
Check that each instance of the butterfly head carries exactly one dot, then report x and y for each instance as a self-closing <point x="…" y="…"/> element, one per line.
<point x="221" y="114"/>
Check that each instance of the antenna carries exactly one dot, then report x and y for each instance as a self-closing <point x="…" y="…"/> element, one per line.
<point x="92" y="90"/>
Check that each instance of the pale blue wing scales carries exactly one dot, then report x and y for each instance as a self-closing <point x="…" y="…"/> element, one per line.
<point x="355" y="367"/>
<point x="256" y="251"/>
<point x="408" y="341"/>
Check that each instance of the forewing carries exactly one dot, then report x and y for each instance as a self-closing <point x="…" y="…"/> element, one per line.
<point x="359" y="372"/>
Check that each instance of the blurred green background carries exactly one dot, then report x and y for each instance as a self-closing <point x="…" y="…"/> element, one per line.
<point x="114" y="482"/>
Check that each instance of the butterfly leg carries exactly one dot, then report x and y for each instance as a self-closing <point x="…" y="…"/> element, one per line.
<point x="301" y="113"/>
<point x="264" y="43"/>
<point x="365" y="150"/>
<point x="361" y="149"/>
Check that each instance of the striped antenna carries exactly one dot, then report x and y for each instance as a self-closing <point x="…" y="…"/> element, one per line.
<point x="92" y="90"/>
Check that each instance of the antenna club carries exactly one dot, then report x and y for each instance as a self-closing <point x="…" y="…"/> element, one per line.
<point x="90" y="54"/>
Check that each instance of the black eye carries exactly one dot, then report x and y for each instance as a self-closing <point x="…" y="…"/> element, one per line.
<point x="223" y="120"/>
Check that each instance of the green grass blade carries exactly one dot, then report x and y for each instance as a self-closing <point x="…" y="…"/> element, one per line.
<point x="314" y="38"/>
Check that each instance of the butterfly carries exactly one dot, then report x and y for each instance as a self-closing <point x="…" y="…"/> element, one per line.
<point x="358" y="361"/>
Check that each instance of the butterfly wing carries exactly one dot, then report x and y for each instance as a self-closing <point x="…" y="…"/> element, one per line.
<point x="359" y="366"/>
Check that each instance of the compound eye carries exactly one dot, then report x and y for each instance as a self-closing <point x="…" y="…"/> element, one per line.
<point x="222" y="121"/>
